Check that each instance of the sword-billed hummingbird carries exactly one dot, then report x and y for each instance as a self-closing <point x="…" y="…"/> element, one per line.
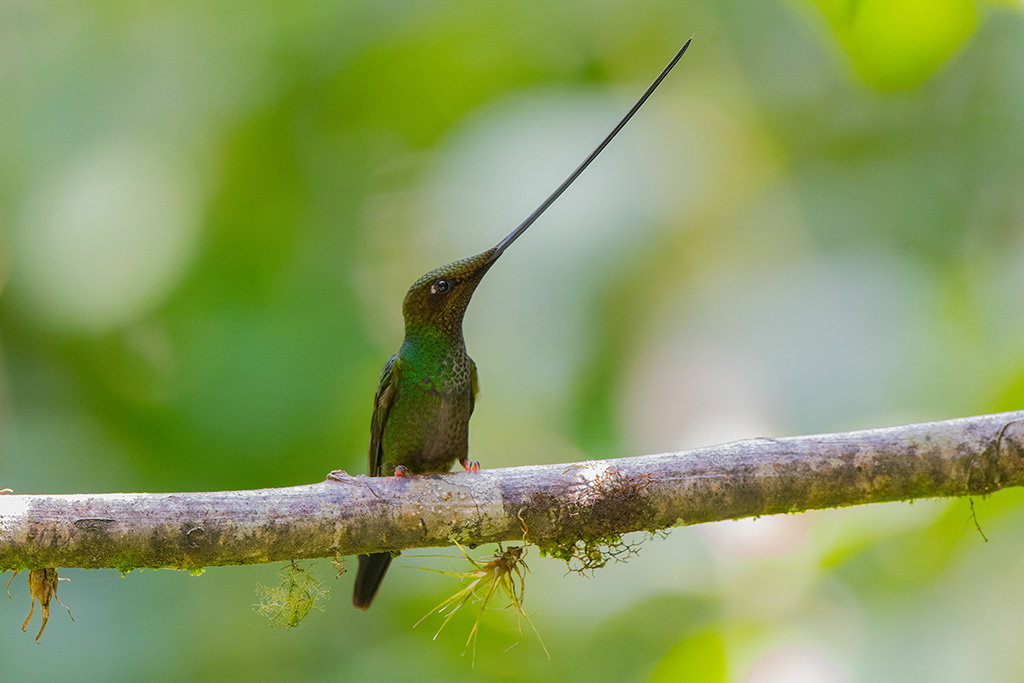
<point x="426" y="391"/>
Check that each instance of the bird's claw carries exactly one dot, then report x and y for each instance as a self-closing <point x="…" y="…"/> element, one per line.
<point x="470" y="465"/>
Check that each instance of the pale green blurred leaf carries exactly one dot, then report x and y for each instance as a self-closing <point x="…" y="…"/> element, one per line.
<point x="699" y="657"/>
<point x="899" y="43"/>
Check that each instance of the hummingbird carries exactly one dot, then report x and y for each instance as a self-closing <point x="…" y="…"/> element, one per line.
<point x="427" y="391"/>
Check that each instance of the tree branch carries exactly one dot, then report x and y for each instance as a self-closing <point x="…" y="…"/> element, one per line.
<point x="561" y="505"/>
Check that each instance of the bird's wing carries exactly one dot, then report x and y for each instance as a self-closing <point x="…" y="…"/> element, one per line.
<point x="474" y="386"/>
<point x="381" y="407"/>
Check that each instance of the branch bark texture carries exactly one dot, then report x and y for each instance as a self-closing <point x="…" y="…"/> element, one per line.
<point x="559" y="504"/>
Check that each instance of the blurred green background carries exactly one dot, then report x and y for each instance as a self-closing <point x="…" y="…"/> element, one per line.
<point x="211" y="211"/>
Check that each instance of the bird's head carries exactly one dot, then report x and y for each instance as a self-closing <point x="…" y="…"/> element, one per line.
<point x="438" y="300"/>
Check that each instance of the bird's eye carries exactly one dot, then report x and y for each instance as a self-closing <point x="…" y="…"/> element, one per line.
<point x="440" y="286"/>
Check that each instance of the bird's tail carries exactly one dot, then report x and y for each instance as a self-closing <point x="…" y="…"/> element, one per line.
<point x="372" y="569"/>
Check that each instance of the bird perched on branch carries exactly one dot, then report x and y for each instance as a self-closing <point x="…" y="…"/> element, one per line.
<point x="427" y="390"/>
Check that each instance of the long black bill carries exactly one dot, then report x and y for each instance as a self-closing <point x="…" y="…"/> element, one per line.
<point x="511" y="237"/>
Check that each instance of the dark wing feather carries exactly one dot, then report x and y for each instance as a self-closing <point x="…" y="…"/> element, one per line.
<point x="474" y="386"/>
<point x="372" y="568"/>
<point x="381" y="407"/>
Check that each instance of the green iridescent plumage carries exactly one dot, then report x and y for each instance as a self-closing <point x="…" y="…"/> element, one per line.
<point x="427" y="390"/>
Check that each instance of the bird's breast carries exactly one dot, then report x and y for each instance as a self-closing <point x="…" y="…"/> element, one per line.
<point x="428" y="425"/>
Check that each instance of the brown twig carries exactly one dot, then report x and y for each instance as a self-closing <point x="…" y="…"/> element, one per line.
<point x="562" y="504"/>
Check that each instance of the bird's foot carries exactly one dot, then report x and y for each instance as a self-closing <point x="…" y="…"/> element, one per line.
<point x="401" y="471"/>
<point x="470" y="465"/>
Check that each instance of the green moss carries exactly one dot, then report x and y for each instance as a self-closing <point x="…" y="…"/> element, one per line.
<point x="288" y="603"/>
<point x="589" y="554"/>
<point x="591" y="524"/>
<point x="125" y="562"/>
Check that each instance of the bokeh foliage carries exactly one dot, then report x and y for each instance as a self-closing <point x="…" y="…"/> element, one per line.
<point x="210" y="213"/>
